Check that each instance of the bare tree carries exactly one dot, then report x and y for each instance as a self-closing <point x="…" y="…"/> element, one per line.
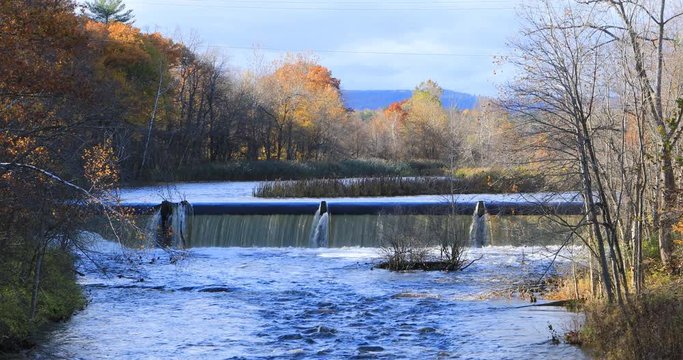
<point x="647" y="29"/>
<point x="558" y="93"/>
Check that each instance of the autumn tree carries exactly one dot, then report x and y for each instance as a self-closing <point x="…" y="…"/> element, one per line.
<point x="487" y="136"/>
<point x="304" y="101"/>
<point x="53" y="154"/>
<point x="383" y="134"/>
<point x="646" y="32"/>
<point x="425" y="129"/>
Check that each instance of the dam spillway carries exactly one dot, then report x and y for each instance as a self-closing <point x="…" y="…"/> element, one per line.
<point x="224" y="219"/>
<point x="366" y="206"/>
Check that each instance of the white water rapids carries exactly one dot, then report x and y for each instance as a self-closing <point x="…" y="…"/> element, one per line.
<point x="235" y="303"/>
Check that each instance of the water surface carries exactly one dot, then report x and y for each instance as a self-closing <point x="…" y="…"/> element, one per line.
<point x="225" y="303"/>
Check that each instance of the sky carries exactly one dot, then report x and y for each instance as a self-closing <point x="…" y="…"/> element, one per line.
<point x="368" y="45"/>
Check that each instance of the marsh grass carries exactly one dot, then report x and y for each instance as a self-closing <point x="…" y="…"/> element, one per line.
<point x="412" y="244"/>
<point x="488" y="181"/>
<point x="362" y="187"/>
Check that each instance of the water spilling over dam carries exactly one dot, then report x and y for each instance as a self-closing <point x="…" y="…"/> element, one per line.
<point x="513" y="219"/>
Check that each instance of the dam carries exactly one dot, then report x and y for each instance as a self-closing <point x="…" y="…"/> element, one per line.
<point x="222" y="217"/>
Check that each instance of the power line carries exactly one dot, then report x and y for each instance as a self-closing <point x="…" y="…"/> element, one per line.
<point x="305" y="6"/>
<point x="451" y="2"/>
<point x="337" y="3"/>
<point x="352" y="51"/>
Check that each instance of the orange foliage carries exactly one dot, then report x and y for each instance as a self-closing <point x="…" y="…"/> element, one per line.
<point x="631" y="136"/>
<point x="307" y="104"/>
<point x="121" y="43"/>
<point x="38" y="42"/>
<point x="396" y="110"/>
<point x="133" y="60"/>
<point x="312" y="90"/>
<point x="320" y="77"/>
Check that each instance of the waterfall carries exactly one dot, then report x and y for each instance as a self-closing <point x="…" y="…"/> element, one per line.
<point x="152" y="229"/>
<point x="172" y="225"/>
<point x="479" y="230"/>
<point x="320" y="227"/>
<point x="175" y="225"/>
<point x="319" y="238"/>
<point x="182" y="212"/>
<point x="314" y="227"/>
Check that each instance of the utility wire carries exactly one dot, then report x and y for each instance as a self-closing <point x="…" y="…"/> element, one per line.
<point x="257" y="48"/>
<point x="311" y="6"/>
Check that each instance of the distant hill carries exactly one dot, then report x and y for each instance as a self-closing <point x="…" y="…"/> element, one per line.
<point x="380" y="99"/>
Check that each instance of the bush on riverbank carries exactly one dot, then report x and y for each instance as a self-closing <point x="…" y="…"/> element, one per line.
<point x="482" y="181"/>
<point x="407" y="244"/>
<point x="59" y="297"/>
<point x="648" y="327"/>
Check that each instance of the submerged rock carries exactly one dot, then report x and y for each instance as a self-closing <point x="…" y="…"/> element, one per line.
<point x="370" y="348"/>
<point x="215" y="289"/>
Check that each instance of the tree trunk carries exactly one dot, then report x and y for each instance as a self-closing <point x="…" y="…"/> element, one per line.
<point x="591" y="212"/>
<point x="152" y="117"/>
<point x="666" y="218"/>
<point x="36" y="282"/>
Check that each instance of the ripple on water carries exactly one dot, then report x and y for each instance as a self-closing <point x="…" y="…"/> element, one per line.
<point x="302" y="303"/>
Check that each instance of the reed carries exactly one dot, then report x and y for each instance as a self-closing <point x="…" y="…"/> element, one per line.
<point x="490" y="181"/>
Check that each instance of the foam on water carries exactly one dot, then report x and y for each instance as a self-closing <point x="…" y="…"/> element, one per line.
<point x="221" y="303"/>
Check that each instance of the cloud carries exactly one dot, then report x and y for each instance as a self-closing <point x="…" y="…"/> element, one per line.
<point x="348" y="40"/>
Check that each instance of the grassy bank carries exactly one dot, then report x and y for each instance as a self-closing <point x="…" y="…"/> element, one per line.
<point x="294" y="170"/>
<point x="470" y="182"/>
<point x="59" y="297"/>
<point x="647" y="327"/>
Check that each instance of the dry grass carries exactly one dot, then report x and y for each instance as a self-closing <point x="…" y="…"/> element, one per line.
<point x="463" y="182"/>
<point x="648" y="327"/>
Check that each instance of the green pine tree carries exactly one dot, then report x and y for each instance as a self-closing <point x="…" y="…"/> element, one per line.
<point x="106" y="11"/>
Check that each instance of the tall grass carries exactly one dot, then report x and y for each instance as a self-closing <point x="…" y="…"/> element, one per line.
<point x="490" y="181"/>
<point x="647" y="327"/>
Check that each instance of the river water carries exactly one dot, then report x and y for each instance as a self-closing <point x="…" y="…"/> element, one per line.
<point x="243" y="303"/>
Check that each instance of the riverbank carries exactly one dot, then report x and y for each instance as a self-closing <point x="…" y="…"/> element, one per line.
<point x="469" y="180"/>
<point x="649" y="326"/>
<point x="644" y="326"/>
<point x="59" y="297"/>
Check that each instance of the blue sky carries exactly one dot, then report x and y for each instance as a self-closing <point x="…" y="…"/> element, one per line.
<point x="367" y="44"/>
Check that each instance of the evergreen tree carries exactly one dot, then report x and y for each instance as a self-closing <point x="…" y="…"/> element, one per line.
<point x="106" y="11"/>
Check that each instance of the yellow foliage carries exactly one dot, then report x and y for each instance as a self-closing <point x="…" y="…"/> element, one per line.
<point x="678" y="227"/>
<point x="100" y="166"/>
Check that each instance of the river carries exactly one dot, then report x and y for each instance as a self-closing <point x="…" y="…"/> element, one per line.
<point x="274" y="302"/>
